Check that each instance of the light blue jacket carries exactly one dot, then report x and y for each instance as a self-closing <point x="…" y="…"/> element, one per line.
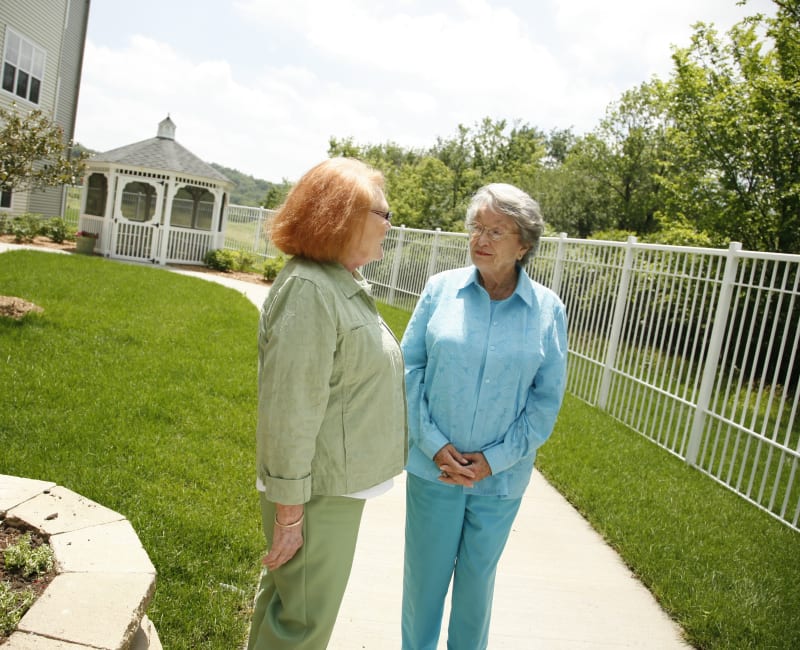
<point x="486" y="376"/>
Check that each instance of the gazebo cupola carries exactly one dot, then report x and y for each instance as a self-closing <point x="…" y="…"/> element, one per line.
<point x="166" y="129"/>
<point x="155" y="201"/>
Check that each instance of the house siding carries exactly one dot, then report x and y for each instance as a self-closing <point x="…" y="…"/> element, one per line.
<point x="59" y="28"/>
<point x="70" y="65"/>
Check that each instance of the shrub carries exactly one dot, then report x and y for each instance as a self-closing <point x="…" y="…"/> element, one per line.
<point x="244" y="261"/>
<point x="220" y="259"/>
<point x="55" y="229"/>
<point x="273" y="266"/>
<point x="25" y="227"/>
<point x="13" y="605"/>
<point x="229" y="260"/>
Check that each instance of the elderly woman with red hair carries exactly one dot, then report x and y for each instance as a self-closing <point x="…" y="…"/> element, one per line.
<point x="331" y="401"/>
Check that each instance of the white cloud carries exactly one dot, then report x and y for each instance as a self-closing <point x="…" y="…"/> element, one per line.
<point x="263" y="86"/>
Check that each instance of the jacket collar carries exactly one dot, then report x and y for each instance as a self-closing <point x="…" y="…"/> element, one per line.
<point x="524" y="287"/>
<point x="349" y="283"/>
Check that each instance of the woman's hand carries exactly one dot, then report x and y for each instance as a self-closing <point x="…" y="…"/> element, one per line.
<point x="455" y="467"/>
<point x="286" y="539"/>
<point x="462" y="469"/>
<point x="479" y="464"/>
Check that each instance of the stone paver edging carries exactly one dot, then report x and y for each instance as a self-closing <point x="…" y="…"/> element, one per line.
<point x="105" y="578"/>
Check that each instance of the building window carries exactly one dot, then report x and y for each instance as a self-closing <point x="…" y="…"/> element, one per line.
<point x="23" y="67"/>
<point x="5" y="198"/>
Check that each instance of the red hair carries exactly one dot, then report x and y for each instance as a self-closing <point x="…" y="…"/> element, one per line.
<point x="326" y="210"/>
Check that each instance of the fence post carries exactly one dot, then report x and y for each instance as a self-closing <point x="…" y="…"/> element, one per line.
<point x="712" y="355"/>
<point x="398" y="258"/>
<point x="257" y="234"/>
<point x="558" y="267"/>
<point x="434" y="256"/>
<point x="616" y="324"/>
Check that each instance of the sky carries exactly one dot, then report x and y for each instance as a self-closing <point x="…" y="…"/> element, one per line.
<point x="262" y="85"/>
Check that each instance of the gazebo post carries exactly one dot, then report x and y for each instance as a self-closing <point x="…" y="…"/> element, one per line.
<point x="170" y="190"/>
<point x="219" y="220"/>
<point x="106" y="231"/>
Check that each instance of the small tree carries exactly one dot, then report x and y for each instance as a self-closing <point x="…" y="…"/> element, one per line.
<point x="33" y="153"/>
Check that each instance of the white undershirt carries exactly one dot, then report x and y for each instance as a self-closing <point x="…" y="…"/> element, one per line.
<point x="369" y="493"/>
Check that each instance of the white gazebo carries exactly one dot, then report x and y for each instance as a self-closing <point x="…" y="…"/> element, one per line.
<point x="155" y="201"/>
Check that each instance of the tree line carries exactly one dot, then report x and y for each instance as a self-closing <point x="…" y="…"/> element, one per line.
<point x="708" y="156"/>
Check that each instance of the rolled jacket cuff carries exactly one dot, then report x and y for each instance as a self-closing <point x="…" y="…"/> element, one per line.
<point x="287" y="492"/>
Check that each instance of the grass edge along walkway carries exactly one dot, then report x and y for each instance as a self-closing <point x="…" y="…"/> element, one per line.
<point x="725" y="570"/>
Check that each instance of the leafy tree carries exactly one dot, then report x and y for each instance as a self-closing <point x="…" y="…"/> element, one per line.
<point x="621" y="161"/>
<point x="525" y="154"/>
<point x="558" y="144"/>
<point x="33" y="152"/>
<point x="457" y="155"/>
<point x="421" y="195"/>
<point x="79" y="149"/>
<point x="276" y="194"/>
<point x="570" y="202"/>
<point x="345" y="148"/>
<point x="735" y="105"/>
<point x="490" y="147"/>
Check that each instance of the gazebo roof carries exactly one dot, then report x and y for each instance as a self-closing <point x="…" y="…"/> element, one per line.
<point x="162" y="153"/>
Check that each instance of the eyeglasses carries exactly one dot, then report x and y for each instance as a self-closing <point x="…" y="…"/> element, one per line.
<point x="386" y="215"/>
<point x="494" y="234"/>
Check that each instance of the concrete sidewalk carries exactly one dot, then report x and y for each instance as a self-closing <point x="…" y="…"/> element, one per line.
<point x="559" y="585"/>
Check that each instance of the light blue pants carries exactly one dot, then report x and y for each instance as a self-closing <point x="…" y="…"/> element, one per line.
<point x="451" y="534"/>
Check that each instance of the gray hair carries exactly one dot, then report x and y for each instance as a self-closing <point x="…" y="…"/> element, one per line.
<point x="514" y="203"/>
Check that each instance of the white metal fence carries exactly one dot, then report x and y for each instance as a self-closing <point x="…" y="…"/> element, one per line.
<point x="694" y="348"/>
<point x="246" y="231"/>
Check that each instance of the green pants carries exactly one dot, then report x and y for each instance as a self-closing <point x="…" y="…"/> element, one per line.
<point x="297" y="604"/>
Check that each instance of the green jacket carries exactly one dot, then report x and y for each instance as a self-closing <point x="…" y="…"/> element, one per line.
<point x="331" y="393"/>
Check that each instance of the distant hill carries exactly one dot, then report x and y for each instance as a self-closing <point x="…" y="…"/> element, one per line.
<point x="249" y="190"/>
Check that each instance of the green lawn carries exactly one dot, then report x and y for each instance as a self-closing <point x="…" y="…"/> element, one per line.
<point x="136" y="388"/>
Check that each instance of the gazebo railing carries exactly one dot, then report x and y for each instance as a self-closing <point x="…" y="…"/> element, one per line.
<point x="187" y="246"/>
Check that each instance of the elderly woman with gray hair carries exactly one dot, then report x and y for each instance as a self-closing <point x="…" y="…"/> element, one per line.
<point x="486" y="359"/>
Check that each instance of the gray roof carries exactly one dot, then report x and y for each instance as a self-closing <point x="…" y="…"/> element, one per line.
<point x="161" y="153"/>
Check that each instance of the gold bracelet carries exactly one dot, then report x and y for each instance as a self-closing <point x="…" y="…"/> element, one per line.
<point x="297" y="523"/>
